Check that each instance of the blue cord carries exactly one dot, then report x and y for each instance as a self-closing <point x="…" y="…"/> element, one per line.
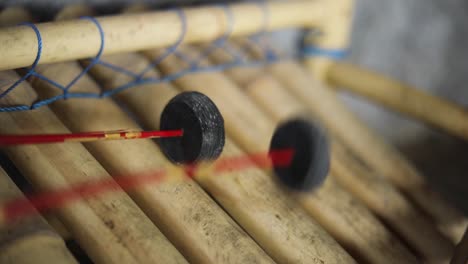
<point x="138" y="78"/>
<point x="313" y="51"/>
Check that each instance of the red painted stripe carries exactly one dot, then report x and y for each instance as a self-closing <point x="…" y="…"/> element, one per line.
<point x="30" y="205"/>
<point x="279" y="158"/>
<point x="23" y="207"/>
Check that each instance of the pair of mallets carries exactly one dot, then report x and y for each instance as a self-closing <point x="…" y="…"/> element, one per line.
<point x="192" y="130"/>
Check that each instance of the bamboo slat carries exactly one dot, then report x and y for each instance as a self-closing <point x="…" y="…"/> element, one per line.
<point x="250" y="197"/>
<point x="183" y="211"/>
<point x="28" y="240"/>
<point x="400" y="97"/>
<point x="78" y="39"/>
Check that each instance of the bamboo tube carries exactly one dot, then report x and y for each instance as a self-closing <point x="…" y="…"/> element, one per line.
<point x="379" y="155"/>
<point x="78" y="39"/>
<point x="31" y="240"/>
<point x="400" y="97"/>
<point x="101" y="225"/>
<point x="227" y="96"/>
<point x="250" y="197"/>
<point x="461" y="252"/>
<point x="375" y="192"/>
<point x="189" y="218"/>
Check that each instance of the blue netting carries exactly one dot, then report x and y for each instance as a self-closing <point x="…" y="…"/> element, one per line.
<point x="259" y="40"/>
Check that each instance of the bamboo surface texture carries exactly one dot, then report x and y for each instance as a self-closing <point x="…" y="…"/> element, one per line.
<point x="374" y="191"/>
<point x="251" y="197"/>
<point x="80" y="38"/>
<point x="400" y="97"/>
<point x="28" y="240"/>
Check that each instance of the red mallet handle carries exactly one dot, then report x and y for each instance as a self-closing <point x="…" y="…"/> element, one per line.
<point x="86" y="136"/>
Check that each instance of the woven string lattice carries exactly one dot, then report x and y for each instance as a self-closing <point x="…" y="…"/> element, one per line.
<point x="194" y="65"/>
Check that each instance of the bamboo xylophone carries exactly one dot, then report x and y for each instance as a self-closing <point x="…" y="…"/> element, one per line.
<point x="243" y="216"/>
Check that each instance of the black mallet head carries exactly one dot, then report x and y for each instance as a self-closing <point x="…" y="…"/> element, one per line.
<point x="202" y="124"/>
<point x="311" y="158"/>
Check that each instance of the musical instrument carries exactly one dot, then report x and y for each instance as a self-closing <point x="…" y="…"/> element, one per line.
<point x="374" y="207"/>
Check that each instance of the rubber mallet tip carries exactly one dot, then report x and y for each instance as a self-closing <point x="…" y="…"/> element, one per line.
<point x="202" y="124"/>
<point x="311" y="159"/>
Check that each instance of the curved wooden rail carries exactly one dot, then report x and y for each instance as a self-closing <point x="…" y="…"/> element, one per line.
<point x="80" y="38"/>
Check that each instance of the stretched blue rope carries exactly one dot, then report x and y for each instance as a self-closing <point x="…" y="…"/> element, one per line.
<point x="93" y="61"/>
<point x="138" y="78"/>
<point x="173" y="48"/>
<point x="313" y="51"/>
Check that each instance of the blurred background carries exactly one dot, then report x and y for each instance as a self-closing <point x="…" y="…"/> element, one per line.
<point x="421" y="42"/>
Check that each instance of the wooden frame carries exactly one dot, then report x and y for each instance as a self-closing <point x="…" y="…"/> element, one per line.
<point x="132" y="32"/>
